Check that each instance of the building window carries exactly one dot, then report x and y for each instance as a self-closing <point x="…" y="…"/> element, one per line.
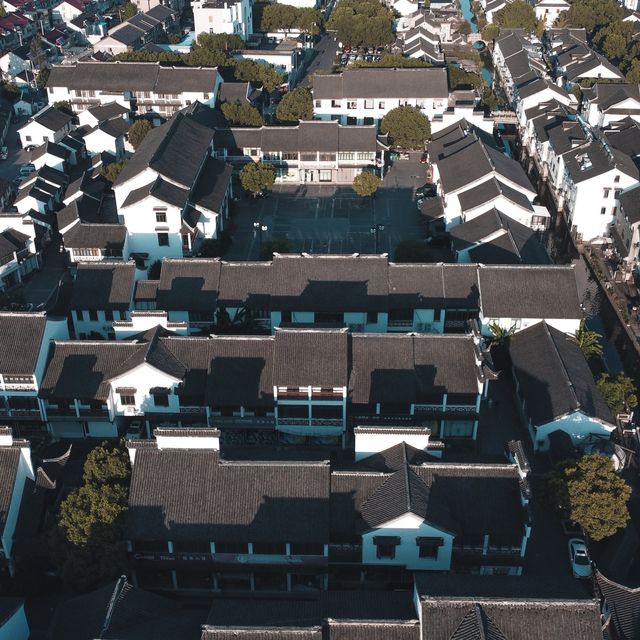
<point x="161" y="216"/>
<point x="381" y="104"/>
<point x="614" y="211"/>
<point x="428" y="547"/>
<point x="93" y="315"/>
<point x="163" y="239"/>
<point x="352" y="104"/>
<point x="346" y="155"/>
<point x="127" y="400"/>
<point x="386" y="546"/>
<point x="616" y="179"/>
<point x="327" y="157"/>
<point x="79" y="315"/>
<point x="603" y="210"/>
<point x="254" y="152"/>
<point x="372" y="317"/>
<point x="309" y="157"/>
<point x="616" y="193"/>
<point x="108" y="315"/>
<point x="286" y="316"/>
<point x="437" y="315"/>
<point x="368" y="104"/>
<point x="161" y="398"/>
<point x="325" y="175"/>
<point x="318" y="104"/>
<point x="287" y="155"/>
<point x="336" y="104"/>
<point x="605" y="193"/>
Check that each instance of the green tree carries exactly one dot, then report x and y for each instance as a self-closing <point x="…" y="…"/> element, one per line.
<point x="219" y="41"/>
<point x="407" y="127"/>
<point x="88" y="540"/>
<point x="588" y="341"/>
<point x="619" y="393"/>
<point x="279" y="17"/>
<point x="112" y="170"/>
<point x="42" y="76"/>
<point x="64" y="106"/>
<point x="366" y="184"/>
<point x="310" y="21"/>
<point x="633" y="74"/>
<point x="128" y="10"/>
<point x="459" y="78"/>
<point x="362" y="22"/>
<point x="499" y="335"/>
<point x="11" y="92"/>
<point x="591" y="14"/>
<point x="295" y="106"/>
<point x="517" y="15"/>
<point x="257" y="176"/>
<point x="490" y="32"/>
<point x="138" y="132"/>
<point x="264" y="74"/>
<point x="589" y="492"/>
<point x="242" y="115"/>
<point x="464" y="29"/>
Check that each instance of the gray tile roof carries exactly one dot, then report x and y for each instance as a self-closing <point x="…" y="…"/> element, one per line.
<point x="624" y="604"/>
<point x="21" y="337"/>
<point x="107" y="111"/>
<point x="383" y="83"/>
<point x="9" y="462"/>
<point x="52" y="118"/>
<point x="515" y="244"/>
<point x="191" y="495"/>
<point x="102" y="286"/>
<point x="175" y="150"/>
<point x="405" y="369"/>
<point x="246" y="284"/>
<point x="449" y="619"/>
<point x="212" y="185"/>
<point x="330" y="283"/>
<point x="488" y="191"/>
<point x="311" y="357"/>
<point x="553" y="376"/>
<point x="630" y="202"/>
<point x="315" y="135"/>
<point x="528" y="292"/>
<point x="96" y="236"/>
<point x="594" y="159"/>
<point x="132" y="76"/>
<point x="190" y="284"/>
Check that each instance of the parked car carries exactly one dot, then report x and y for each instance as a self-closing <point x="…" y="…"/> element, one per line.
<point x="579" y="558"/>
<point x="4" y="153"/>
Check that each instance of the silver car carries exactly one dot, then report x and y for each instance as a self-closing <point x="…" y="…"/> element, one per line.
<point x="579" y="558"/>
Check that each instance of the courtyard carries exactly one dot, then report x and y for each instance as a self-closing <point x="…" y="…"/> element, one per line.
<point x="319" y="219"/>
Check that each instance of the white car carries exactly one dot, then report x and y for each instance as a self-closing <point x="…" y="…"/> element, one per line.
<point x="579" y="558"/>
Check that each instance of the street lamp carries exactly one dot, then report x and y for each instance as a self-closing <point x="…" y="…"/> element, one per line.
<point x="260" y="228"/>
<point x="375" y="231"/>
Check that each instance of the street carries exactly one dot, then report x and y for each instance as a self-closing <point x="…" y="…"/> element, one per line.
<point x="324" y="58"/>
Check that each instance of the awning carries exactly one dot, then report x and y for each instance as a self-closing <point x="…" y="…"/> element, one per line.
<point x="125" y="390"/>
<point x="386" y="540"/>
<point x="426" y="541"/>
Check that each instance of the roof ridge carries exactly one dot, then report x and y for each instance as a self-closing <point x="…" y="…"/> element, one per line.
<point x="477" y="610"/>
<point x="572" y="390"/>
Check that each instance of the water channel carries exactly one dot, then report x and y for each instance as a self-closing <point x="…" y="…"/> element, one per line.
<point x="465" y="7"/>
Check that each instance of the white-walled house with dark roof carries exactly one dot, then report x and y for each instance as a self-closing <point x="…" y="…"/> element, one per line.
<point x="48" y="125"/>
<point x="25" y="339"/>
<point x="555" y="388"/>
<point x="365" y="96"/>
<point x="145" y="85"/>
<point x="15" y="468"/>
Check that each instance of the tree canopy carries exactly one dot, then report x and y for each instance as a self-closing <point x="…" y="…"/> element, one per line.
<point x="285" y="17"/>
<point x="295" y="106"/>
<point x="459" y="78"/>
<point x="365" y="184"/>
<point x="589" y="492"/>
<point x="588" y="341"/>
<point x="128" y="10"/>
<point x="362" y="22"/>
<point x="408" y="127"/>
<point x="517" y="15"/>
<point x="112" y="171"/>
<point x="64" y="106"/>
<point x="619" y="392"/>
<point x="138" y="132"/>
<point x="88" y="542"/>
<point x="257" y="176"/>
<point x="242" y="115"/>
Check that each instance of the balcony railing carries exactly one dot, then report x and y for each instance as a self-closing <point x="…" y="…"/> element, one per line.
<point x="400" y="324"/>
<point x="314" y="422"/>
<point x="192" y="410"/>
<point x="327" y="422"/>
<point x="19" y="386"/>
<point x="94" y="413"/>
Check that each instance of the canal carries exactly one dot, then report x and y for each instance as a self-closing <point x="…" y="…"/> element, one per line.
<point x="465" y="7"/>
